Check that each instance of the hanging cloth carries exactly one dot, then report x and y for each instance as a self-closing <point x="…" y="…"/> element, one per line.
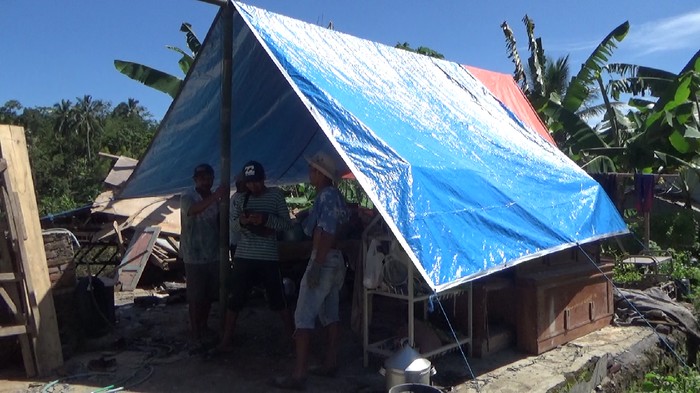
<point x="644" y="192"/>
<point x="609" y="183"/>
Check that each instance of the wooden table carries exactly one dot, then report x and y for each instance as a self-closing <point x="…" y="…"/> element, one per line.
<point x="652" y="261"/>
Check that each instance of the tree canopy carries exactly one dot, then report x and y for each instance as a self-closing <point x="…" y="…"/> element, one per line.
<point x="64" y="141"/>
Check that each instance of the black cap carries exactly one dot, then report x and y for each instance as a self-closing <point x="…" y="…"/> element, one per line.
<point x="203" y="169"/>
<point x="253" y="171"/>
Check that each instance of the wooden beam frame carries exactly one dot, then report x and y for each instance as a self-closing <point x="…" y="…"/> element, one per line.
<point x="29" y="244"/>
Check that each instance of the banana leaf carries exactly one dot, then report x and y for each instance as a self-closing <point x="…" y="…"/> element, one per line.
<point x="579" y="87"/>
<point x="185" y="61"/>
<point x="151" y="77"/>
<point x="512" y="50"/>
<point x="581" y="134"/>
<point x="639" y="80"/>
<point x="600" y="164"/>
<point x="192" y="41"/>
<point x="670" y="95"/>
<point x="536" y="61"/>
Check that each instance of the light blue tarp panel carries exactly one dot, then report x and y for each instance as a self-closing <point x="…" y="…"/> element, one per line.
<point x="462" y="184"/>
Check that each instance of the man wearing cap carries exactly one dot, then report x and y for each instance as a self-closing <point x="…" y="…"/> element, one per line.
<point x="258" y="214"/>
<point x="199" y="248"/>
<point x="319" y="290"/>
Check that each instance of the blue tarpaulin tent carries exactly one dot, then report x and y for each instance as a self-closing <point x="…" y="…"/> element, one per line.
<point x="465" y="186"/>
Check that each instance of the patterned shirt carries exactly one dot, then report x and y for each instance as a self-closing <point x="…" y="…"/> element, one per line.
<point x="329" y="212"/>
<point x="254" y="245"/>
<point x="199" y="237"/>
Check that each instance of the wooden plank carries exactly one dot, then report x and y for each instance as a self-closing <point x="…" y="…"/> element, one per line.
<point x="15" y="291"/>
<point x="7" y="331"/>
<point x="136" y="258"/>
<point x="46" y="341"/>
<point x="8" y="277"/>
<point x="174" y="243"/>
<point x="27" y="358"/>
<point x="120" y="238"/>
<point x="8" y="301"/>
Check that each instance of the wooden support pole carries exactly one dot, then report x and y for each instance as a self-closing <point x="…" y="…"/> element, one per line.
<point x="647" y="230"/>
<point x="225" y="137"/>
<point x="30" y="244"/>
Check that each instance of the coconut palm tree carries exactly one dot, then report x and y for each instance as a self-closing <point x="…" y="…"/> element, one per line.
<point x="64" y="120"/>
<point x="129" y="108"/>
<point x="556" y="76"/>
<point x="87" y="118"/>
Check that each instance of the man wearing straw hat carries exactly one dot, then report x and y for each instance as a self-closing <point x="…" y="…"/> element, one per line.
<point x="320" y="287"/>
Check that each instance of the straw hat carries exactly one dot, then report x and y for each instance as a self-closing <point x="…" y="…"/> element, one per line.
<point x="325" y="164"/>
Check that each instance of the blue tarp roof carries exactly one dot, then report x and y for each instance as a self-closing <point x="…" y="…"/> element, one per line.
<point x="465" y="187"/>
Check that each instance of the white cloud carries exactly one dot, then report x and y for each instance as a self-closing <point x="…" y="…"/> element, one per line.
<point x="571" y="47"/>
<point x="678" y="32"/>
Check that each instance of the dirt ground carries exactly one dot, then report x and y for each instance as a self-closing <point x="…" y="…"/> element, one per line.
<point x="146" y="351"/>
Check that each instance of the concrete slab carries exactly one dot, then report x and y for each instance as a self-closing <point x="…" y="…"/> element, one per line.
<point x="548" y="370"/>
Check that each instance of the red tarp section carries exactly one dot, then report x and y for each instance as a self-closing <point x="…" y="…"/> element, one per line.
<point x="507" y="91"/>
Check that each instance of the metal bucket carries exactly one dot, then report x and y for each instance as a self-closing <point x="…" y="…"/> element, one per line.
<point x="414" y="388"/>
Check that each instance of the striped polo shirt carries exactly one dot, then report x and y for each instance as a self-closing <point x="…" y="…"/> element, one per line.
<point x="254" y="246"/>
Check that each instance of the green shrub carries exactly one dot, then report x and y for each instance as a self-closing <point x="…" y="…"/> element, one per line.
<point x="682" y="265"/>
<point x="624" y="273"/>
<point x="677" y="230"/>
<point x="686" y="380"/>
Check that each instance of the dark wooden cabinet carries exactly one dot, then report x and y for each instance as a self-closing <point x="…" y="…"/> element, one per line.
<point x="561" y="301"/>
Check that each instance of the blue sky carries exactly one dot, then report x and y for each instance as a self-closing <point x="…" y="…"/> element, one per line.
<point x="63" y="49"/>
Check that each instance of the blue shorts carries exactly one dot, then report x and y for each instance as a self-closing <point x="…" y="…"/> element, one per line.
<point x="322" y="301"/>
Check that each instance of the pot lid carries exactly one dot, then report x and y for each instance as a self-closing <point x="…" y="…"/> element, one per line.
<point x="402" y="358"/>
<point x="419" y="366"/>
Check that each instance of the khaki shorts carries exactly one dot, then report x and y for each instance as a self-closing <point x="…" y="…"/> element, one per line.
<point x="322" y="300"/>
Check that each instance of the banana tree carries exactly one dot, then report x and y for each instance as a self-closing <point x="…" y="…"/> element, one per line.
<point x="667" y="126"/>
<point x="566" y="116"/>
<point x="161" y="80"/>
<point x="673" y="125"/>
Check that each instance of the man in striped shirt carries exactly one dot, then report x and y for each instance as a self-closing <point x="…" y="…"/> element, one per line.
<point x="258" y="215"/>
